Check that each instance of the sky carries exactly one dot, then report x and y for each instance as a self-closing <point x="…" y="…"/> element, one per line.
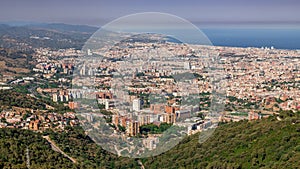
<point x="100" y="12"/>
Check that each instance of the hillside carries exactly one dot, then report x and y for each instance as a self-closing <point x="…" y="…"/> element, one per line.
<point x="17" y="146"/>
<point x="267" y="143"/>
<point x="17" y="43"/>
<point x="54" y="36"/>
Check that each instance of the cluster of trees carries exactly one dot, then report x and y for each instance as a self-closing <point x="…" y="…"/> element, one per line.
<point x="9" y="98"/>
<point x="22" y="88"/>
<point x="154" y="129"/>
<point x="236" y="104"/>
<point x="49" y="85"/>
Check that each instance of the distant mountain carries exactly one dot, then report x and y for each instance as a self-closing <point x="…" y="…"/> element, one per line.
<point x="19" y="23"/>
<point x="55" y="36"/>
<point x="61" y="27"/>
<point x="65" y="28"/>
<point x="4" y="26"/>
<point x="17" y="43"/>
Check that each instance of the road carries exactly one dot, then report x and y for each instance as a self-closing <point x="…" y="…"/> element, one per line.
<point x="141" y="164"/>
<point x="57" y="149"/>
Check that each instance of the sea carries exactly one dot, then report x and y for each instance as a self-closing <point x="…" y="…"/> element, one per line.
<point x="266" y="37"/>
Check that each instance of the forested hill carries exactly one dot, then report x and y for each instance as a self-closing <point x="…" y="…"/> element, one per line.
<point x="19" y="146"/>
<point x="54" y="36"/>
<point x="267" y="143"/>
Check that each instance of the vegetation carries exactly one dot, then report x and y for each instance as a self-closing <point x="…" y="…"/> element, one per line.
<point x="22" y="89"/>
<point x="266" y="143"/>
<point x="10" y="98"/>
<point x="15" y="61"/>
<point x="18" y="146"/>
<point x="154" y="129"/>
<point x="57" y="36"/>
<point x="87" y="153"/>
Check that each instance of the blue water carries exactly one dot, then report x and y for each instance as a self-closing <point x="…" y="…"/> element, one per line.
<point x="279" y="38"/>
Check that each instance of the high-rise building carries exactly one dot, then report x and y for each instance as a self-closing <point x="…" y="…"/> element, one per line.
<point x="136" y="104"/>
<point x="171" y="109"/>
<point x="54" y="97"/>
<point x="83" y="70"/>
<point x="89" y="52"/>
<point x="144" y="119"/>
<point x="62" y="98"/>
<point x="90" y="72"/>
<point x="66" y="97"/>
<point x="109" y="104"/>
<point x="187" y="65"/>
<point x="168" y="118"/>
<point x="89" y="118"/>
<point x="132" y="128"/>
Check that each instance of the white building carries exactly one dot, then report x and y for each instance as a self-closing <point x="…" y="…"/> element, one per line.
<point x="187" y="65"/>
<point x="54" y="97"/>
<point x="89" y="52"/>
<point x="136" y="104"/>
<point x="109" y="104"/>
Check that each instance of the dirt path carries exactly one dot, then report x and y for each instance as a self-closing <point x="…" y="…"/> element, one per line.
<point x="57" y="149"/>
<point x="141" y="164"/>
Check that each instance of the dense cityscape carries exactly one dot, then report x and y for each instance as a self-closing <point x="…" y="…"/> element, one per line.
<point x="270" y="84"/>
<point x="82" y="89"/>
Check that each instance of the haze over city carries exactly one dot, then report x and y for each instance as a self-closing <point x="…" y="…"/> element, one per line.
<point x="99" y="12"/>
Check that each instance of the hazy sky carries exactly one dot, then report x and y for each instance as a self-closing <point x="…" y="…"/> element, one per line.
<point x="99" y="12"/>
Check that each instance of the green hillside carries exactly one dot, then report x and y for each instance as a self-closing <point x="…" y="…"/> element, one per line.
<point x="267" y="143"/>
<point x="17" y="146"/>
